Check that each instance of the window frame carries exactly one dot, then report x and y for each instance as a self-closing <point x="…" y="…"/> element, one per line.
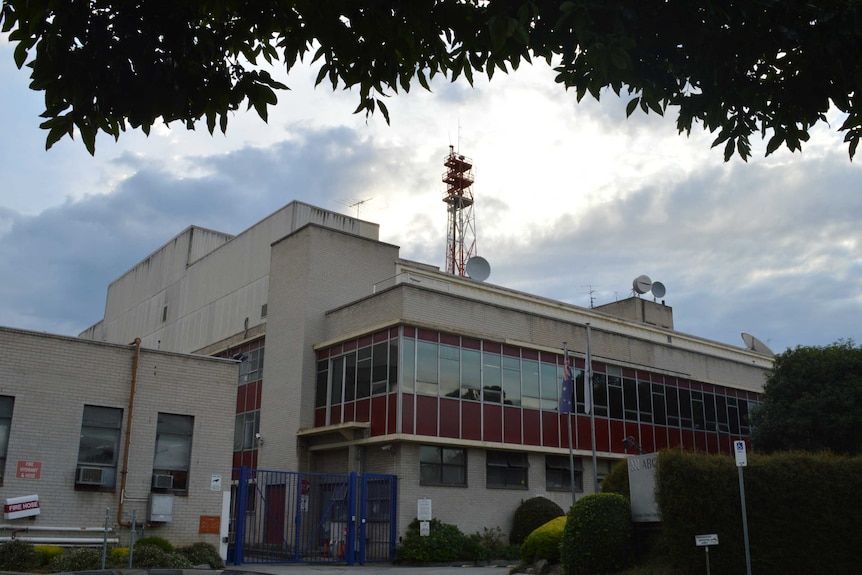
<point x="513" y="467"/>
<point x="181" y="472"/>
<point x="433" y="458"/>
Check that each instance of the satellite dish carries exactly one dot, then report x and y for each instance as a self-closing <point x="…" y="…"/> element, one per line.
<point x="756" y="345"/>
<point x="642" y="284"/>
<point x="658" y="289"/>
<point x="478" y="268"/>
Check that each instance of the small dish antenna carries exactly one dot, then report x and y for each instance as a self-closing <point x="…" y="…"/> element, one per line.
<point x="756" y="345"/>
<point x="658" y="289"/>
<point x="478" y="268"/>
<point x="641" y="284"/>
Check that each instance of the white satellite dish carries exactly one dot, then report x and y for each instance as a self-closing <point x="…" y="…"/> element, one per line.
<point x="756" y="345"/>
<point x="658" y="289"/>
<point x="641" y="284"/>
<point x="478" y="268"/>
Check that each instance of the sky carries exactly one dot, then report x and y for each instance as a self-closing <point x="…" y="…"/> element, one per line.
<point x="572" y="201"/>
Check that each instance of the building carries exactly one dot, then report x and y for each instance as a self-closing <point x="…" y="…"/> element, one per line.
<point x="93" y="432"/>
<point x="378" y="364"/>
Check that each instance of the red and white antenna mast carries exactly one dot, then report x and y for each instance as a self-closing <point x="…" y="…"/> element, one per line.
<point x="460" y="230"/>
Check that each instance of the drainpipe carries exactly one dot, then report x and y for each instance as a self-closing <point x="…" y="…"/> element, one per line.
<point x="125" y="470"/>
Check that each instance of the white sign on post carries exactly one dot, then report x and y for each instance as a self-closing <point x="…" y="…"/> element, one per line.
<point x="706" y="540"/>
<point x="741" y="456"/>
<point x="423" y="511"/>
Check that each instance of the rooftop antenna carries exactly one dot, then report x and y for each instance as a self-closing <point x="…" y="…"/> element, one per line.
<point x="460" y="228"/>
<point x="592" y="292"/>
<point x="358" y="205"/>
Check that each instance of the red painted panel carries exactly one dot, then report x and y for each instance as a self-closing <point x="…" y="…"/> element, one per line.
<point x="532" y="431"/>
<point x="674" y="437"/>
<point x="492" y="422"/>
<point x="450" y="417"/>
<point x="511" y="351"/>
<point x="407" y="413"/>
<point x="349" y="411"/>
<point x="365" y="341"/>
<point x="647" y="439"/>
<point x="491" y="347"/>
<point x="363" y="410"/>
<point x="320" y="417"/>
<point x="428" y="335"/>
<point x="688" y="440"/>
<point x="335" y="414"/>
<point x="426" y="415"/>
<point x="240" y="399"/>
<point x="381" y="336"/>
<point x="349" y="345"/>
<point x="392" y="413"/>
<point x="529" y="354"/>
<point x="378" y="415"/>
<point x="237" y="459"/>
<point x="567" y="425"/>
<point x="658" y="378"/>
<point x="250" y="396"/>
<point x="700" y="440"/>
<point x="631" y="429"/>
<point x="511" y="425"/>
<point x="450" y="339"/>
<point x="683" y="383"/>
<point x="724" y="444"/>
<point x="468" y="343"/>
<point x="603" y="435"/>
<point x="258" y="395"/>
<point x="618" y="434"/>
<point x="323" y="353"/>
<point x="582" y="431"/>
<point x="471" y="420"/>
<point x="409" y="332"/>
<point x="629" y="373"/>
<point x="247" y="459"/>
<point x="254" y="459"/>
<point x="598" y="367"/>
<point x="712" y="443"/>
<point x="550" y="429"/>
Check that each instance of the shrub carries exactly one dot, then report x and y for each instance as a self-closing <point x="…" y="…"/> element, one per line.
<point x="202" y="554"/>
<point x="617" y="481"/>
<point x="544" y="542"/>
<point x="445" y="543"/>
<point x="598" y="535"/>
<point x="118" y="555"/>
<point x="148" y="556"/>
<point x="18" y="555"/>
<point x="77" y="559"/>
<point x="530" y="515"/>
<point x="47" y="553"/>
<point x="159" y="542"/>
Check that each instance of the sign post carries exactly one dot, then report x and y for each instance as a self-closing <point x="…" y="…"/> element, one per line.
<point x="705" y="541"/>
<point x="742" y="461"/>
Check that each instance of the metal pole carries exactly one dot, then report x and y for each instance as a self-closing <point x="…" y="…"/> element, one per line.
<point x="569" y="422"/>
<point x="105" y="539"/>
<point x="706" y="548"/>
<point x="744" y="522"/>
<point x="132" y="537"/>
<point x="588" y="380"/>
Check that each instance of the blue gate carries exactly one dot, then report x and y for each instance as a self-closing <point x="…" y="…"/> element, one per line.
<point x="293" y="517"/>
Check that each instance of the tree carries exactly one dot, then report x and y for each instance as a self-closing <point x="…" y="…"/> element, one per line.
<point x="737" y="68"/>
<point x="812" y="401"/>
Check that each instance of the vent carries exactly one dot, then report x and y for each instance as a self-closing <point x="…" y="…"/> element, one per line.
<point x="163" y="481"/>
<point x="89" y="476"/>
<point x="263" y="310"/>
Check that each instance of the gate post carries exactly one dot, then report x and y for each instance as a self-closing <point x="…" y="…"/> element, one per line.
<point x="351" y="518"/>
<point x="239" y="519"/>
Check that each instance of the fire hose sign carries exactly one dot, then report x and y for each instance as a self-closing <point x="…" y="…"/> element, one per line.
<point x="25" y="506"/>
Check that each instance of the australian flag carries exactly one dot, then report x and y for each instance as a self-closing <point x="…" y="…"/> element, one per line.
<point x="568" y="387"/>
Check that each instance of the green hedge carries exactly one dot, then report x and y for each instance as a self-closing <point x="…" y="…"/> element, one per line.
<point x="802" y="508"/>
<point x="598" y="535"/>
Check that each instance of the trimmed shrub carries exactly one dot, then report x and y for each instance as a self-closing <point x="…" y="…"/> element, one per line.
<point x="159" y="542"/>
<point x="617" y="481"/>
<point x="202" y="554"/>
<point x="544" y="542"/>
<point x="445" y="543"/>
<point x="148" y="556"/>
<point x="77" y="559"/>
<point x="598" y="535"/>
<point x="48" y="552"/>
<point x="530" y="515"/>
<point x="18" y="555"/>
<point x="118" y="555"/>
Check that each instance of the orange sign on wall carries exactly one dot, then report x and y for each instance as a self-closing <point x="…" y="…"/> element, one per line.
<point x="210" y="524"/>
<point x="29" y="469"/>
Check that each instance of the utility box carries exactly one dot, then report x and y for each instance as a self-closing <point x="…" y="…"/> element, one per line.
<point x="161" y="508"/>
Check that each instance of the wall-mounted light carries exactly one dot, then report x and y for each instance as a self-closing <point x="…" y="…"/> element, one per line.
<point x="258" y="439"/>
<point x="629" y="442"/>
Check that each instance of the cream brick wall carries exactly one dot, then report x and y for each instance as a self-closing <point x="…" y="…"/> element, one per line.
<point x="52" y="378"/>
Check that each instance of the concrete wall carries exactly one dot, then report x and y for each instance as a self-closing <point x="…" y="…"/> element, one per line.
<point x="52" y="378"/>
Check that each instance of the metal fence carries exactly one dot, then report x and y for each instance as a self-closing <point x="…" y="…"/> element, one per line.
<point x="293" y="517"/>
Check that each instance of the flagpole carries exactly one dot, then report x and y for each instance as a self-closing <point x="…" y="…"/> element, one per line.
<point x="566" y="366"/>
<point x="588" y="381"/>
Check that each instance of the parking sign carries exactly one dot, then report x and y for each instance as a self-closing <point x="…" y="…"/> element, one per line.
<point x="739" y="450"/>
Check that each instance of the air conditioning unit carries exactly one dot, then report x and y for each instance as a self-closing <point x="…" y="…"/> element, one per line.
<point x="89" y="476"/>
<point x="161" y="481"/>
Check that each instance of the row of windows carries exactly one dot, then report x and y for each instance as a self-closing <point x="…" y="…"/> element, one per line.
<point x="100" y="444"/>
<point x="503" y="469"/>
<point x="474" y="370"/>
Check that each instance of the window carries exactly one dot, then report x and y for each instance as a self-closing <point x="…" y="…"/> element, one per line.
<point x="506" y="469"/>
<point x="558" y="476"/>
<point x="173" y="451"/>
<point x="251" y="368"/>
<point x="99" y="447"/>
<point x="6" y="404"/>
<point x="245" y="430"/>
<point x="442" y="466"/>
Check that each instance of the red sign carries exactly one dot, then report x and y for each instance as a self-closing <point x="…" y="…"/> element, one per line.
<point x="29" y="470"/>
<point x="304" y="487"/>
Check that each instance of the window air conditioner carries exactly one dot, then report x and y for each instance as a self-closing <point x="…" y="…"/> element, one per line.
<point x="89" y="476"/>
<point x="161" y="481"/>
